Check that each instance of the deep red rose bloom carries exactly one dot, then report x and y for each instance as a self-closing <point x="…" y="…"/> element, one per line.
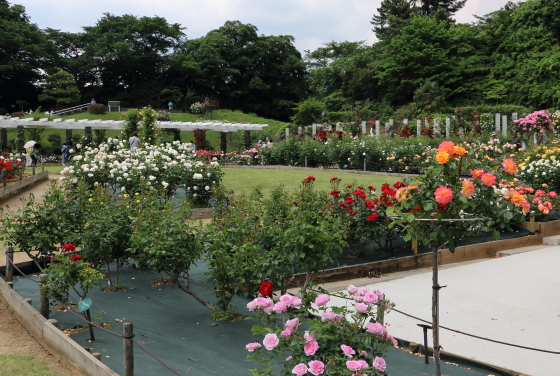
<point x="372" y="217"/>
<point x="69" y="248"/>
<point x="294" y="202"/>
<point x="265" y="288"/>
<point x="361" y="187"/>
<point x="311" y="177"/>
<point x="334" y="178"/>
<point x="335" y="193"/>
<point x="349" y="186"/>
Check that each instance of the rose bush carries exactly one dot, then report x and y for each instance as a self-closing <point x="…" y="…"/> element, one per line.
<point x="340" y="340"/>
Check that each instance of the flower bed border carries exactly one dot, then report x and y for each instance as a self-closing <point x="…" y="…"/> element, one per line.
<point x="462" y="253"/>
<point x="50" y="337"/>
<point x="12" y="189"/>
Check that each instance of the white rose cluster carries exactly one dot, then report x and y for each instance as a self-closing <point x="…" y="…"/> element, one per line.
<point x="165" y="167"/>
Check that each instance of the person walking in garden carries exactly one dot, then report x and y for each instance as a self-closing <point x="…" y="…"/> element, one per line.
<point x="170" y="105"/>
<point x="33" y="151"/>
<point x="134" y="142"/>
<point x="65" y="154"/>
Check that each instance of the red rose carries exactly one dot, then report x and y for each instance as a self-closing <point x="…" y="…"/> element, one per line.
<point x="69" y="248"/>
<point x="311" y="177"/>
<point x="335" y="193"/>
<point x="294" y="202"/>
<point x="334" y="178"/>
<point x="265" y="288"/>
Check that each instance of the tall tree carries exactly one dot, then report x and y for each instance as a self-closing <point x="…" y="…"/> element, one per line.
<point x="439" y="9"/>
<point x="391" y="17"/>
<point x="61" y="89"/>
<point x="24" y="53"/>
<point x="233" y="64"/>
<point x="131" y="55"/>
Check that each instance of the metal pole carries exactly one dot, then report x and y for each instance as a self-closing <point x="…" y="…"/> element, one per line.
<point x="128" y="350"/>
<point x="43" y="297"/>
<point x="88" y="317"/>
<point x="9" y="264"/>
<point x="435" y="308"/>
<point x="425" y="328"/>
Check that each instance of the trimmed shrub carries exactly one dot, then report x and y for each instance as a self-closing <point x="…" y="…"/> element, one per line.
<point x="18" y="114"/>
<point x="97" y="109"/>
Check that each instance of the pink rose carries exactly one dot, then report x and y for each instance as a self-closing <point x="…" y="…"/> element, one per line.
<point x="264" y="302"/>
<point x="379" y="294"/>
<point x="280" y="307"/>
<point x="308" y="337"/>
<point x="289" y="358"/>
<point x="358" y="298"/>
<point x="352" y="289"/>
<point x="363" y="353"/>
<point x="393" y="340"/>
<point x="300" y="369"/>
<point x="361" y="308"/>
<point x="296" y="302"/>
<point x="287" y="332"/>
<point x="251" y="306"/>
<point x="270" y="341"/>
<point x="252" y="346"/>
<point x="286" y="299"/>
<point x="322" y="300"/>
<point x="379" y="364"/>
<point x="292" y="323"/>
<point x="363" y="364"/>
<point x="353" y="365"/>
<point x="330" y="316"/>
<point x="370" y="297"/>
<point x="552" y="194"/>
<point x="363" y="291"/>
<point x="376" y="328"/>
<point x="316" y="367"/>
<point x="310" y="348"/>
<point x="347" y="350"/>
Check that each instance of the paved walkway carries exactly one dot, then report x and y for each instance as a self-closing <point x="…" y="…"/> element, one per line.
<point x="513" y="299"/>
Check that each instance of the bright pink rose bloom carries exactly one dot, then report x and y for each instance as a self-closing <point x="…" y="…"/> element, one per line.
<point x="310" y="348"/>
<point x="268" y="310"/>
<point x="296" y="302"/>
<point x="264" y="302"/>
<point x="253" y="346"/>
<point x="352" y="289"/>
<point x="270" y="341"/>
<point x="300" y="369"/>
<point x="316" y="367"/>
<point x="358" y="298"/>
<point x="363" y="291"/>
<point x="322" y="300"/>
<point x="292" y="323"/>
<point x="539" y="193"/>
<point x="308" y="337"/>
<point x="376" y="328"/>
<point x="379" y="364"/>
<point x="361" y="308"/>
<point x="370" y="298"/>
<point x="286" y="299"/>
<point x="330" y="316"/>
<point x="379" y="294"/>
<point x="443" y="195"/>
<point x="393" y="340"/>
<point x="488" y="179"/>
<point x="280" y="307"/>
<point x="552" y="194"/>
<point x="347" y="350"/>
<point x="363" y="364"/>
<point x="251" y="306"/>
<point x="287" y="332"/>
<point x="353" y="365"/>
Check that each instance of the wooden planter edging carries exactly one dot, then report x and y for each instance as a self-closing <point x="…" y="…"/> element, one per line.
<point x="23" y="184"/>
<point x="549" y="228"/>
<point x="51" y="338"/>
<point x="464" y="253"/>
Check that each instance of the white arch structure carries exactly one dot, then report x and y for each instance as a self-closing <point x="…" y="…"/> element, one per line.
<point x="117" y="124"/>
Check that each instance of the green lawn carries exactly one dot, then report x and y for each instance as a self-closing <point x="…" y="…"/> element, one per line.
<point x="23" y="365"/>
<point x="240" y="179"/>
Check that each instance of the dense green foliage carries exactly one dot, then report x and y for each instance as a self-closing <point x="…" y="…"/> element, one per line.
<point x="424" y="62"/>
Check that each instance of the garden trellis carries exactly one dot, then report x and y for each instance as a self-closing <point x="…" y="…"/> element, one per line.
<point x="88" y="125"/>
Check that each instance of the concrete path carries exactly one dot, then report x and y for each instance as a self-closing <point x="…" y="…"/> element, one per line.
<point x="512" y="299"/>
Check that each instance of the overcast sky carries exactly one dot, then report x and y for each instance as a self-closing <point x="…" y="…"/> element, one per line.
<point x="311" y="22"/>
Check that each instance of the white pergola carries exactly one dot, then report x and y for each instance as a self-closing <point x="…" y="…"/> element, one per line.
<point x="117" y="124"/>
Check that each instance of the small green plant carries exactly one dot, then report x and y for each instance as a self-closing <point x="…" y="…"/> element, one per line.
<point x="97" y="109"/>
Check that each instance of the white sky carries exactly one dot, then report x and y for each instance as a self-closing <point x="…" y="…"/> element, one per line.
<point x="311" y="22"/>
